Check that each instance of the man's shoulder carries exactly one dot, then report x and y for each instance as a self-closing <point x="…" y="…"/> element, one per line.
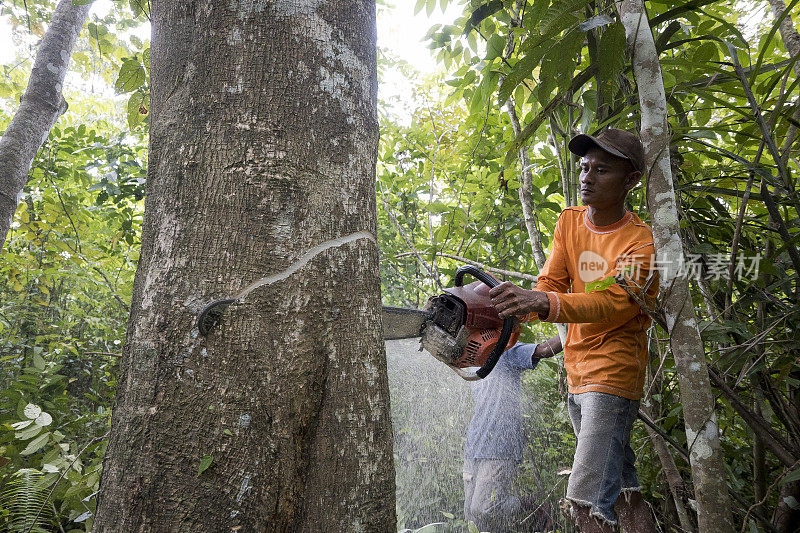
<point x="643" y="231"/>
<point x="574" y="210"/>
<point x="573" y="214"/>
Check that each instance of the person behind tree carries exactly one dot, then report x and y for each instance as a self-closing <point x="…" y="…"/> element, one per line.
<point x="493" y="448"/>
<point x="605" y="353"/>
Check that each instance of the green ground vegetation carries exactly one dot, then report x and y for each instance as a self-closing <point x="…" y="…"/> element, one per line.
<point x="447" y="188"/>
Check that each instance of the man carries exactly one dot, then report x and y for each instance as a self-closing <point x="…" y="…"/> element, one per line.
<point x="606" y="348"/>
<point x="493" y="449"/>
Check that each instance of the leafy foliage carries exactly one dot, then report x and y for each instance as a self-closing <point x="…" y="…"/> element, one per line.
<point x="23" y="504"/>
<point x="448" y="188"/>
<point x="65" y="285"/>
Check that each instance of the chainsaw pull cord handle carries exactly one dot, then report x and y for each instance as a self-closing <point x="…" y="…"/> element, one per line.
<point x="508" y="323"/>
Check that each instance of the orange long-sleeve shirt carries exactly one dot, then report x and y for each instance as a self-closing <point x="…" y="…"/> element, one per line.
<point x="606" y="348"/>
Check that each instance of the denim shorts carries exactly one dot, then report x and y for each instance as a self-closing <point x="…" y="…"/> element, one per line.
<point x="603" y="467"/>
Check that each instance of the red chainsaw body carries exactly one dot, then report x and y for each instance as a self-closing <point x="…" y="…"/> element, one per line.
<point x="471" y="306"/>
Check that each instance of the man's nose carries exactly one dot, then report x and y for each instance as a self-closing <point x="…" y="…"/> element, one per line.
<point x="587" y="175"/>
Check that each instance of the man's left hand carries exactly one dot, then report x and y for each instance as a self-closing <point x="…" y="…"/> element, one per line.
<point x="510" y="300"/>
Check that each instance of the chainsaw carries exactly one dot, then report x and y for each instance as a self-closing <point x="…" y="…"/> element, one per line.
<point x="459" y="327"/>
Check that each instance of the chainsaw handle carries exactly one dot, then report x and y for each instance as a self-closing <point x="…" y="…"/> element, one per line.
<point x="508" y="323"/>
<point x="476" y="273"/>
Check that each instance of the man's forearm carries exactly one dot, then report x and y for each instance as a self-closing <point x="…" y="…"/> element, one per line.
<point x="548" y="348"/>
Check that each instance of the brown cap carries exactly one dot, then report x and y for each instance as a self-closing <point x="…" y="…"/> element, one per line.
<point x="616" y="142"/>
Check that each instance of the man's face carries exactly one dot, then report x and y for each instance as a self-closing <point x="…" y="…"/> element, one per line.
<point x="606" y="179"/>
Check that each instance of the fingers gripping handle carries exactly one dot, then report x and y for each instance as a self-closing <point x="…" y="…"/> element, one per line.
<point x="508" y="323"/>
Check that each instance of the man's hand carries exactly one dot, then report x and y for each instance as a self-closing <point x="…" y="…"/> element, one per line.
<point x="548" y="348"/>
<point x="510" y="300"/>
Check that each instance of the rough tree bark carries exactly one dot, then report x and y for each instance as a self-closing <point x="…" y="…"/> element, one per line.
<point x="791" y="39"/>
<point x="262" y="173"/>
<point x="708" y="472"/>
<point x="40" y="107"/>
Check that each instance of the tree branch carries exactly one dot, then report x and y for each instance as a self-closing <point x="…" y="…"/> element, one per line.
<point x="773" y="440"/>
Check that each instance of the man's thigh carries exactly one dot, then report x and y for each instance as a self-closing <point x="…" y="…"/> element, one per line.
<point x="469" y="488"/>
<point x="603" y="425"/>
<point x="492" y="498"/>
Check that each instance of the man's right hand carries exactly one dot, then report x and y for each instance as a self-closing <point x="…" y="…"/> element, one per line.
<point x="510" y="300"/>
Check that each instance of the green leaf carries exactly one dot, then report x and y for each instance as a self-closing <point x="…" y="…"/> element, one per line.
<point x="520" y="72"/>
<point x="535" y="12"/>
<point x="44" y="419"/>
<point x="600" y="284"/>
<point x="140" y="8"/>
<point x="131" y="76"/>
<point x="28" y="433"/>
<point x="552" y="206"/>
<point x="495" y="47"/>
<point x="561" y="15"/>
<point x="32" y="411"/>
<point x="486" y="10"/>
<point x="34" y="445"/>
<point x="205" y="462"/>
<point x="138" y="108"/>
<point x="704" y="53"/>
<point x="611" y="57"/>
<point x="481" y="97"/>
<point x="448" y="515"/>
<point x="429" y="528"/>
<point x="791" y="476"/>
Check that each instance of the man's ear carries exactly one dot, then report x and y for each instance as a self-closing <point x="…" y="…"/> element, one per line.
<point x="632" y="180"/>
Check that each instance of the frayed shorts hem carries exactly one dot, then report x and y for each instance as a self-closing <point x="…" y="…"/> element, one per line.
<point x="594" y="511"/>
<point x="627" y="491"/>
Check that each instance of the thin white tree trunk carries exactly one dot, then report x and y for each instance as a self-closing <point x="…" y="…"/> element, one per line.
<point x="39" y="109"/>
<point x="791" y="39"/>
<point x="708" y="472"/>
<point x="525" y="192"/>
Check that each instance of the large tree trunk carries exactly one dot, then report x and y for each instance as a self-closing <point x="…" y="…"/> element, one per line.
<point x="262" y="167"/>
<point x="708" y="472"/>
<point x="39" y="109"/>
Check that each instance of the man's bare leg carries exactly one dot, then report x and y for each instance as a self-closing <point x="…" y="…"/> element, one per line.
<point x="633" y="514"/>
<point x="580" y="516"/>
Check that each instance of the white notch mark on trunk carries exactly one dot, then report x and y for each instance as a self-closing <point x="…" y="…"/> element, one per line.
<point x="304" y="260"/>
<point x="210" y="315"/>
